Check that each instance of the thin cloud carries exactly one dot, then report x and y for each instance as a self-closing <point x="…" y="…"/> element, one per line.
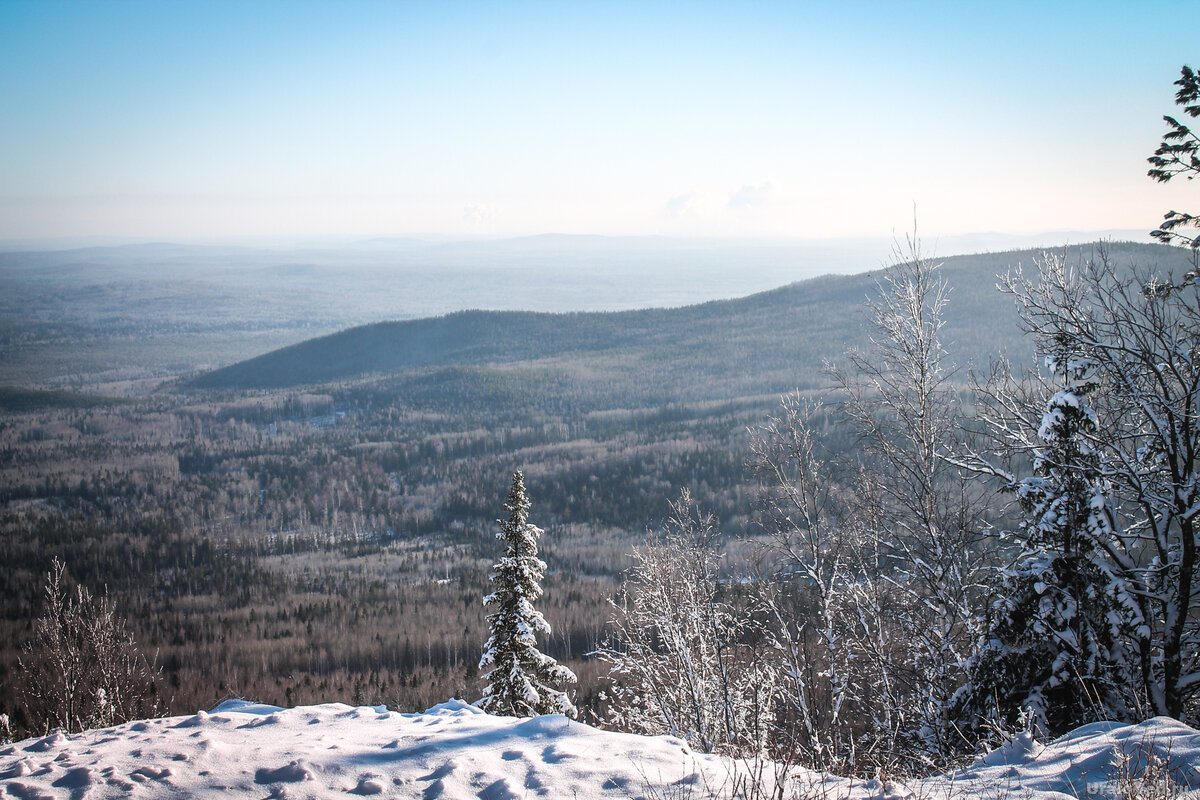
<point x="681" y="206"/>
<point x="477" y="215"/>
<point x="750" y="196"/>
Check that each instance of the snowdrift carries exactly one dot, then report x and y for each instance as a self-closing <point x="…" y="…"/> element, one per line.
<point x="455" y="751"/>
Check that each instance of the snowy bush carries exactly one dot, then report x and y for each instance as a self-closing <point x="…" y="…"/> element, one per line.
<point x="82" y="668"/>
<point x="687" y="659"/>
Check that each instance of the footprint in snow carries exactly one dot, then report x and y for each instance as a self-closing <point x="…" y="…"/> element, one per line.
<point x="199" y="720"/>
<point x="78" y="781"/>
<point x="23" y="791"/>
<point x="258" y="722"/>
<point x="290" y="773"/>
<point x="688" y="780"/>
<point x="552" y="755"/>
<point x="500" y="790"/>
<point x="440" y="772"/>
<point x="615" y="783"/>
<point x="367" y="786"/>
<point x="115" y="782"/>
<point x="46" y="743"/>
<point x="435" y="790"/>
<point x="533" y="782"/>
<point x="143" y="774"/>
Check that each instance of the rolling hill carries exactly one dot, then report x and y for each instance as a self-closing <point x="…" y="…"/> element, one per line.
<point x="771" y="341"/>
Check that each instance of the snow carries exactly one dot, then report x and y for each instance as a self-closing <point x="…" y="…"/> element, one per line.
<point x="455" y="751"/>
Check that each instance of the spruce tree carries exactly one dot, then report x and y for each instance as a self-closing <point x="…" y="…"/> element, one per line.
<point x="521" y="680"/>
<point x="1049" y="651"/>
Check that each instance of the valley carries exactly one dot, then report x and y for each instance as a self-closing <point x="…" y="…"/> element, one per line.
<point x="316" y="523"/>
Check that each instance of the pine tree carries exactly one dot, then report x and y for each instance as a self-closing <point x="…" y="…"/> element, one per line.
<point x="1179" y="154"/>
<point x="1049" y="651"/>
<point x="522" y="680"/>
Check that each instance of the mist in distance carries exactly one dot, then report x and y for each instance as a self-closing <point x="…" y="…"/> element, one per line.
<point x="371" y="279"/>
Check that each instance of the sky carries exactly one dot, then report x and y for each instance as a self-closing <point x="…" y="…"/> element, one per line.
<point x="195" y="120"/>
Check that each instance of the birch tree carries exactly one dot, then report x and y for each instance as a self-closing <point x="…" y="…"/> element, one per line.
<point x="899" y="398"/>
<point x="841" y="704"/>
<point x="687" y="659"/>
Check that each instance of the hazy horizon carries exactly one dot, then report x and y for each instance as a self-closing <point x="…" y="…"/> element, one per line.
<point x="936" y="245"/>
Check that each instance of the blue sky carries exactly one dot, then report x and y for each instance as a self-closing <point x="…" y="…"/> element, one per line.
<point x="205" y="119"/>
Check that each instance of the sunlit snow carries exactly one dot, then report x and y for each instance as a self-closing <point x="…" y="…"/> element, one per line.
<point x="455" y="751"/>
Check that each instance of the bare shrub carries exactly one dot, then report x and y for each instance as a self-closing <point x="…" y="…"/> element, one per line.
<point x="83" y="669"/>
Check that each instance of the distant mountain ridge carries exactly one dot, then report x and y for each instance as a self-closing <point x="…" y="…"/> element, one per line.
<point x="771" y="340"/>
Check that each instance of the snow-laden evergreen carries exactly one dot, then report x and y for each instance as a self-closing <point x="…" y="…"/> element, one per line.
<point x="1142" y="332"/>
<point x="1048" y="658"/>
<point x="522" y="681"/>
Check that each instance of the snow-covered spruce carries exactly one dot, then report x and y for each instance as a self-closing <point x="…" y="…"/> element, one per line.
<point x="522" y="680"/>
<point x="1143" y="334"/>
<point x="1049" y="652"/>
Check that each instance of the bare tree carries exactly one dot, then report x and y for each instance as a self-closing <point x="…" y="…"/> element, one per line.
<point x="899" y="398"/>
<point x="688" y="657"/>
<point x="82" y="669"/>
<point x="840" y="707"/>
<point x="880" y="588"/>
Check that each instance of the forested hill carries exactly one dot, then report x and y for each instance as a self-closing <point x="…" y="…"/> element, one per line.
<point x="770" y="341"/>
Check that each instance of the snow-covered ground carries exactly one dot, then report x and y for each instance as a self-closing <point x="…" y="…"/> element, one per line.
<point x="455" y="751"/>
